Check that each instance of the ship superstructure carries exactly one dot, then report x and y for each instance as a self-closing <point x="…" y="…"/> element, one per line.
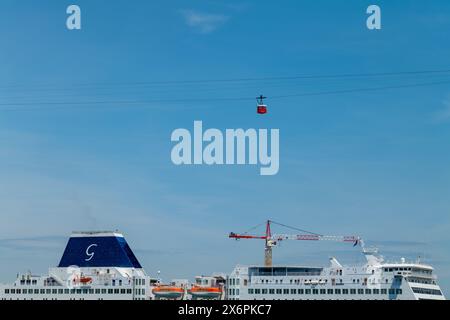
<point x="95" y="266"/>
<point x="374" y="280"/>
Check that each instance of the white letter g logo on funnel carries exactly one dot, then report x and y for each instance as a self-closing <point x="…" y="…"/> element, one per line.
<point x="90" y="254"/>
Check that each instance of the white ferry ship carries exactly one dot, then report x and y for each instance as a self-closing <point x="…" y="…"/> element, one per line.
<point x="375" y="280"/>
<point x="95" y="266"/>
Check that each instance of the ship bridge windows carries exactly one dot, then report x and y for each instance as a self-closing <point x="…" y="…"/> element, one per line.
<point x="422" y="271"/>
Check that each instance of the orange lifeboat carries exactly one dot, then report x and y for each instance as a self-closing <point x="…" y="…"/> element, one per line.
<point x="168" y="292"/>
<point x="85" y="280"/>
<point x="205" y="292"/>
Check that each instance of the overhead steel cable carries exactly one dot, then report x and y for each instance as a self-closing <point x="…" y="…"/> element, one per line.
<point x="255" y="227"/>
<point x="147" y="101"/>
<point x="294" y="228"/>
<point x="361" y="89"/>
<point x="247" y="79"/>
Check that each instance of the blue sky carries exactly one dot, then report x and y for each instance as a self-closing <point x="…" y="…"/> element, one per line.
<point x="372" y="163"/>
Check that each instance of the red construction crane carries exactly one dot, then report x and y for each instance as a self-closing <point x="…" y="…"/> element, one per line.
<point x="272" y="240"/>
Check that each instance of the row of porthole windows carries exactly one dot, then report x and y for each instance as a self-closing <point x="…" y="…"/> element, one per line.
<point x="325" y="291"/>
<point x="4" y="299"/>
<point x="322" y="281"/>
<point x="427" y="291"/>
<point x="295" y="281"/>
<point x="74" y="291"/>
<point x="138" y="281"/>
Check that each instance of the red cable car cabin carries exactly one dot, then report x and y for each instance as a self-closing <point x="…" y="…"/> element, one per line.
<point x="261" y="108"/>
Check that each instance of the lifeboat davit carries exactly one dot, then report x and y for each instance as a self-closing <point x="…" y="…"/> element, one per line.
<point x="205" y="292"/>
<point x="168" y="292"/>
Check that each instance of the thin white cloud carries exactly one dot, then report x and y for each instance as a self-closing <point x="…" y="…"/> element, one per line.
<point x="203" y="22"/>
